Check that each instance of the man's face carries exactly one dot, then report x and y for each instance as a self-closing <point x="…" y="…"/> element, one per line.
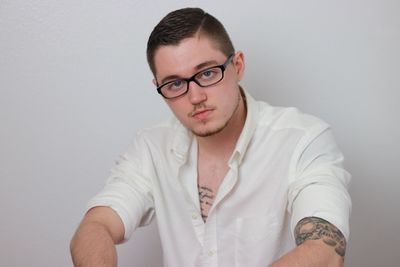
<point x="203" y="110"/>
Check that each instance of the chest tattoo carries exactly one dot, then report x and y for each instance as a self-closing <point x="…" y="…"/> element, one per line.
<point x="206" y="197"/>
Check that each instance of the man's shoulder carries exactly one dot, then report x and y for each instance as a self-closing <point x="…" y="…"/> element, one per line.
<point x="166" y="135"/>
<point x="278" y="117"/>
<point x="265" y="115"/>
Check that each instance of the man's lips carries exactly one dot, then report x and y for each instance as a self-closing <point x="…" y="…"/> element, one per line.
<point x="201" y="114"/>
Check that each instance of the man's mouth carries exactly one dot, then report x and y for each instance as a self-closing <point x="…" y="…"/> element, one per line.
<point x="201" y="114"/>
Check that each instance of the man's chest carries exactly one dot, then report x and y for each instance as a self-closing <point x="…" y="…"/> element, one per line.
<point x="210" y="176"/>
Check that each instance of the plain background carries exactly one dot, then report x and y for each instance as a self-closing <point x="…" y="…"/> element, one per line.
<point x="75" y="87"/>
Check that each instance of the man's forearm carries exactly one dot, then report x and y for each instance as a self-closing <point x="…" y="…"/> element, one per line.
<point x="92" y="245"/>
<point x="312" y="253"/>
<point x="320" y="244"/>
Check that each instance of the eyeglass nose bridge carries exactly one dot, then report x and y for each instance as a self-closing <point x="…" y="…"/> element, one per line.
<point x="192" y="79"/>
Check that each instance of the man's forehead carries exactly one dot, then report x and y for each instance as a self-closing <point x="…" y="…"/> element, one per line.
<point x="189" y="55"/>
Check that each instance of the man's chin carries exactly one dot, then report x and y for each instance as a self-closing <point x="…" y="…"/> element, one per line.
<point x="207" y="132"/>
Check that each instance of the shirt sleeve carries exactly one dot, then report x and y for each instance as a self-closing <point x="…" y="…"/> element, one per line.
<point x="320" y="183"/>
<point x="128" y="190"/>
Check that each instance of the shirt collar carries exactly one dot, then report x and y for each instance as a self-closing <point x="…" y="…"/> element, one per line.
<point x="248" y="128"/>
<point x="182" y="140"/>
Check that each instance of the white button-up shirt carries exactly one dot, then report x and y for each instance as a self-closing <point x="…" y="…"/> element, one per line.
<point x="285" y="166"/>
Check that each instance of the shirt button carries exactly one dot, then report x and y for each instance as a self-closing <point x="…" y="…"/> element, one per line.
<point x="194" y="216"/>
<point x="211" y="253"/>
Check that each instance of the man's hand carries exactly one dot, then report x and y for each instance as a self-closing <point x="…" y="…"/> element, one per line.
<point x="319" y="244"/>
<point x="94" y="242"/>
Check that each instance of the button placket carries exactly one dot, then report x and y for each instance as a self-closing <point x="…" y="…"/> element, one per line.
<point x="210" y="241"/>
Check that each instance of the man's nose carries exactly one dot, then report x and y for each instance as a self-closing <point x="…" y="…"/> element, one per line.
<point x="196" y="93"/>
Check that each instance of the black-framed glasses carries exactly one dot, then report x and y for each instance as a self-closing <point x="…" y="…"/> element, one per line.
<point x="204" y="78"/>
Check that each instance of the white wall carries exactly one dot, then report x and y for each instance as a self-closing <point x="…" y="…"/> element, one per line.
<point x="74" y="87"/>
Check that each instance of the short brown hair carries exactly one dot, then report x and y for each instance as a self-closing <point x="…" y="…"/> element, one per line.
<point x="185" y="23"/>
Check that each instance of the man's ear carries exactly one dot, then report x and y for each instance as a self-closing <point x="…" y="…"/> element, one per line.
<point x="155" y="82"/>
<point x="238" y="62"/>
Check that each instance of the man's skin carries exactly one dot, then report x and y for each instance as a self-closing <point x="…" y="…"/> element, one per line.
<point x="94" y="241"/>
<point x="216" y="115"/>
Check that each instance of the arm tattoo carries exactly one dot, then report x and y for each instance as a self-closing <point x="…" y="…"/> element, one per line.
<point x="206" y="196"/>
<point x="314" y="228"/>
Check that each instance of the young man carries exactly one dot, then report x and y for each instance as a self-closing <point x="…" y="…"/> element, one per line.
<point x="233" y="181"/>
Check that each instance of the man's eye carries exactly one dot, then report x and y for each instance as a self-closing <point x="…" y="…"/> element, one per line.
<point x="207" y="73"/>
<point x="175" y="85"/>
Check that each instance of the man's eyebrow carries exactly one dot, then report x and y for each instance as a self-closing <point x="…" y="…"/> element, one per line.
<point x="199" y="67"/>
<point x="206" y="64"/>
<point x="169" y="78"/>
